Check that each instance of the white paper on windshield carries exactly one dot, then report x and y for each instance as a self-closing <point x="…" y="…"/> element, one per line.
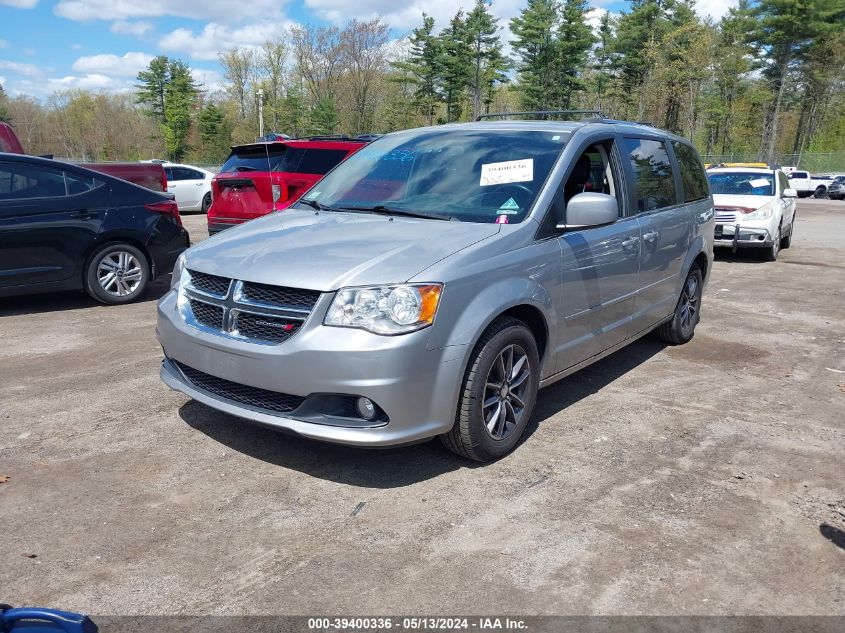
<point x="759" y="182"/>
<point x="509" y="171"/>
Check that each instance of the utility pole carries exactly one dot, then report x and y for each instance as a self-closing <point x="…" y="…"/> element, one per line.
<point x="260" y="94"/>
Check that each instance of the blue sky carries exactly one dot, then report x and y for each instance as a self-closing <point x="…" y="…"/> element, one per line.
<point x="49" y="45"/>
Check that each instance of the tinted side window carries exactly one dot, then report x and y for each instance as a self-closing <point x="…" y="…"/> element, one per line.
<point x="77" y="184"/>
<point x="692" y="173"/>
<point x="21" y="180"/>
<point x="654" y="184"/>
<point x="183" y="173"/>
<point x="320" y="161"/>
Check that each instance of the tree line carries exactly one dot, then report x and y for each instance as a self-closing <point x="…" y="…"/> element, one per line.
<point x="766" y="79"/>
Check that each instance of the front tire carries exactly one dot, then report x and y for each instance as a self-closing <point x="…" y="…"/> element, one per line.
<point x="786" y="241"/>
<point x="820" y="192"/>
<point x="681" y="327"/>
<point x="117" y="273"/>
<point x="770" y="254"/>
<point x="498" y="394"/>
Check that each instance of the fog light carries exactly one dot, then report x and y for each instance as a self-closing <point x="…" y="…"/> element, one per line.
<point x="366" y="408"/>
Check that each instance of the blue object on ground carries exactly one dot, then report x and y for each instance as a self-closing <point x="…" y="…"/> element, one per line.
<point x="28" y="620"/>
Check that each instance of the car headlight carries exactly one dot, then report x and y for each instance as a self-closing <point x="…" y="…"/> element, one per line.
<point x="762" y="213"/>
<point x="178" y="272"/>
<point x="385" y="309"/>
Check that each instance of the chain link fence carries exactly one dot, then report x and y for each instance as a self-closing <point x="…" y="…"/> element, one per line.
<point x="814" y="162"/>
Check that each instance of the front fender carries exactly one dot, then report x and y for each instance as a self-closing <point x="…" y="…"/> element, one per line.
<point x="468" y="319"/>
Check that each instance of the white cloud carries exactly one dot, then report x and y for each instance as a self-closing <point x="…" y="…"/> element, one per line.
<point x="4" y="43"/>
<point x="2" y="80"/>
<point x="216" y="38"/>
<point x="27" y="70"/>
<point x="20" y="4"/>
<point x="76" y="47"/>
<point x="222" y="10"/>
<point x="29" y="52"/>
<point x="208" y="80"/>
<point x="113" y="66"/>
<point x="715" y="8"/>
<point x="88" y="82"/>
<point x="136" y="29"/>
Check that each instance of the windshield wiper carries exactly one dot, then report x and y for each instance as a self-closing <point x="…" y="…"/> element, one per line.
<point x="384" y="210"/>
<point x="316" y="205"/>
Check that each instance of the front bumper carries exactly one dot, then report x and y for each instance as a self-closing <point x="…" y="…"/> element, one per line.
<point x="738" y="235"/>
<point x="415" y="387"/>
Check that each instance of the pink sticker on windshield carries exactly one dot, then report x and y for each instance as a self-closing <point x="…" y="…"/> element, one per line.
<point x="502" y="219"/>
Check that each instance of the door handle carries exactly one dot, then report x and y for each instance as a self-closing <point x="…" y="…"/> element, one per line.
<point x="83" y="214"/>
<point x="650" y="236"/>
<point x="631" y="241"/>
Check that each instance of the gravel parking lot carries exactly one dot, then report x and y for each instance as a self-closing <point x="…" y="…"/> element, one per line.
<point x="701" y="479"/>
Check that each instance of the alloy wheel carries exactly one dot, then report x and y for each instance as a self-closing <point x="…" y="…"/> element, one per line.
<point x="689" y="303"/>
<point x="505" y="390"/>
<point x="119" y="273"/>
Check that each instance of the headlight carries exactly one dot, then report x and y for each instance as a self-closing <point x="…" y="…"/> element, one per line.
<point x="178" y="272"/>
<point x="385" y="309"/>
<point x="762" y="213"/>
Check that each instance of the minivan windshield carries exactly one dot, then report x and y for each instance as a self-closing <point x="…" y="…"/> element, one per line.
<point x="742" y="183"/>
<point x="472" y="175"/>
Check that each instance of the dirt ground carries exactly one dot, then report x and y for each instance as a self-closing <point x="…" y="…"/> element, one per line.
<point x="702" y="479"/>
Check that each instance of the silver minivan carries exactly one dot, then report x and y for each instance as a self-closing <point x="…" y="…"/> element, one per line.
<point x="435" y="281"/>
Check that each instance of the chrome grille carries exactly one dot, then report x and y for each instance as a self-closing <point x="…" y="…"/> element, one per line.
<point x="250" y="311"/>
<point x="207" y="313"/>
<point x="726" y="216"/>
<point x="266" y="328"/>
<point x="279" y="296"/>
<point x="242" y="394"/>
<point x="211" y="284"/>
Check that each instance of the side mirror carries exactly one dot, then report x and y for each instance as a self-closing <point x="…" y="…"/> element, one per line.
<point x="588" y="210"/>
<point x="789" y="193"/>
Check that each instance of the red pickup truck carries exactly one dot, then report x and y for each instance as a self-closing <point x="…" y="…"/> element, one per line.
<point x="149" y="175"/>
<point x="260" y="178"/>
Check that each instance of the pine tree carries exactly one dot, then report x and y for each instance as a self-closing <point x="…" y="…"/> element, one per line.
<point x="5" y="113"/>
<point x="575" y="38"/>
<point x="488" y="64"/>
<point x="423" y="66"/>
<point x="455" y="64"/>
<point x="603" y="60"/>
<point x="536" y="48"/>
<point x="153" y="84"/>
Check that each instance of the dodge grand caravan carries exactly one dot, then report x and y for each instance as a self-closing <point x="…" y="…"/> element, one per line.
<point x="436" y="279"/>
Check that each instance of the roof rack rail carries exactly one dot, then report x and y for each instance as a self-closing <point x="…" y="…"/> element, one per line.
<point x="594" y="113"/>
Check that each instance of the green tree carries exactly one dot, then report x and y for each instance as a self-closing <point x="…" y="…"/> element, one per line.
<point x="784" y="31"/>
<point x="5" y="113"/>
<point x="323" y="116"/>
<point x="455" y="63"/>
<point x="603" y="61"/>
<point x="575" y="38"/>
<point x="153" y="86"/>
<point x="214" y="132"/>
<point x="423" y="67"/>
<point x="536" y="50"/>
<point x="170" y="93"/>
<point x="488" y="64"/>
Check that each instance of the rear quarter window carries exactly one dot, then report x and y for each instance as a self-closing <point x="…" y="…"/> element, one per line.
<point x="654" y="182"/>
<point x="693" y="179"/>
<point x="319" y="161"/>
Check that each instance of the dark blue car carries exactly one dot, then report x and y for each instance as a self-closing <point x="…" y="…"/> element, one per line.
<point x="64" y="227"/>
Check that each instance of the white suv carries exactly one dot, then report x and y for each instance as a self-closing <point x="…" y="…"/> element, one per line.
<point x="755" y="207"/>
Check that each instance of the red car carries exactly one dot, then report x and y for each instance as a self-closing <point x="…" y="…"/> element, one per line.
<point x="260" y="178"/>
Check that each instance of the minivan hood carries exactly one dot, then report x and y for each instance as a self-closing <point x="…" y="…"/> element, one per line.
<point x="749" y="202"/>
<point x="329" y="250"/>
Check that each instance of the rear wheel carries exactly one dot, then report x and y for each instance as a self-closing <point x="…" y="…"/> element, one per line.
<point x="206" y="202"/>
<point x="681" y="327"/>
<point x="498" y="395"/>
<point x="117" y="273"/>
<point x="820" y="192"/>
